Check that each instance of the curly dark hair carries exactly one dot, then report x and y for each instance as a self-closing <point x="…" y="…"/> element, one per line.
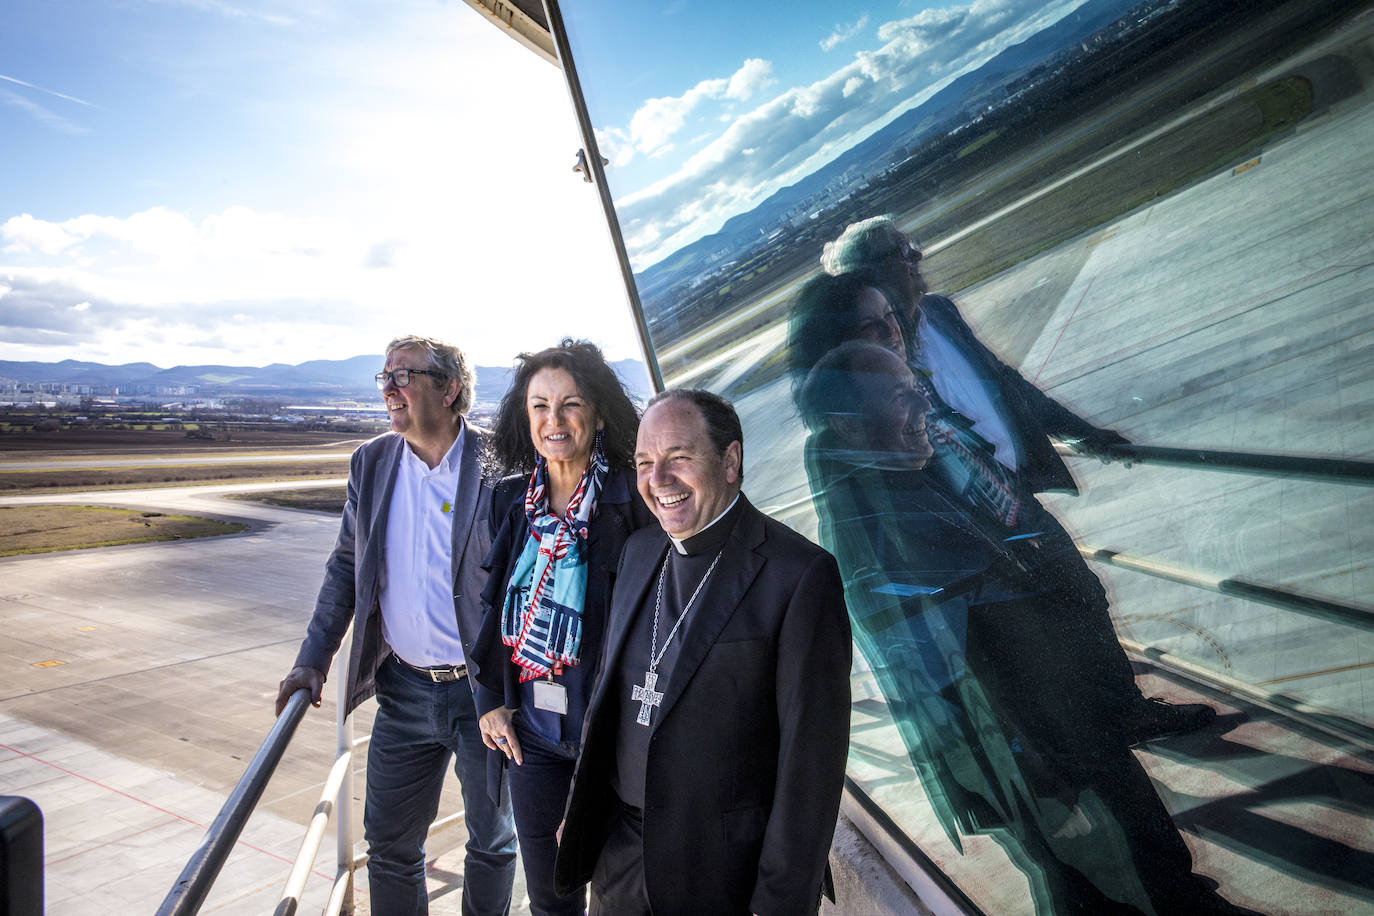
<point x="823" y="316"/>
<point x="511" y="448"/>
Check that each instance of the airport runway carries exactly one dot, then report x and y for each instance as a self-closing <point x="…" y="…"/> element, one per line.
<point x="137" y="682"/>
<point x="62" y="464"/>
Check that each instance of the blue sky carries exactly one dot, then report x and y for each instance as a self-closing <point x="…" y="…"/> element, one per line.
<point x="706" y="108"/>
<point x="250" y="181"/>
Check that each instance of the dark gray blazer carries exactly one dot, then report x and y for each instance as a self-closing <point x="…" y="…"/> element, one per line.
<point x="746" y="760"/>
<point x="354" y="572"/>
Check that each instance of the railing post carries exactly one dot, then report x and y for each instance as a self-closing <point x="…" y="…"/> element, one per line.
<point x="343" y="802"/>
<point x="21" y="857"/>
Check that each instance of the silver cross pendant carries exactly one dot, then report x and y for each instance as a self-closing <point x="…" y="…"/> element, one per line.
<point x="647" y="696"/>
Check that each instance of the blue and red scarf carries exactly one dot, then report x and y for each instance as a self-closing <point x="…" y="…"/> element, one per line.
<point x="541" y="619"/>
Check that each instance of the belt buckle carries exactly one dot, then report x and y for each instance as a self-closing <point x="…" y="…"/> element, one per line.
<point x="447" y="675"/>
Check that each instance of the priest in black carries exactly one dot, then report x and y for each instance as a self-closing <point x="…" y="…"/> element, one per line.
<point x="714" y="750"/>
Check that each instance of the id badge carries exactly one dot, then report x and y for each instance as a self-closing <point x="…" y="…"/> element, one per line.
<point x="551" y="696"/>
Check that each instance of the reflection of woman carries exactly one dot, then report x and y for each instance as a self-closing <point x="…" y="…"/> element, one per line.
<point x="568" y="427"/>
<point x="831" y="310"/>
<point x="964" y="624"/>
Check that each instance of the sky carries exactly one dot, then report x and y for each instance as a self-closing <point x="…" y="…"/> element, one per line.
<point x="769" y="93"/>
<point x="244" y="182"/>
<point x="253" y="181"/>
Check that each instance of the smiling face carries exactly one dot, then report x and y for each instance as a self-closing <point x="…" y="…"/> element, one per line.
<point x="684" y="480"/>
<point x="876" y="322"/>
<point x="421" y="411"/>
<point x="563" y="422"/>
<point x="892" y="418"/>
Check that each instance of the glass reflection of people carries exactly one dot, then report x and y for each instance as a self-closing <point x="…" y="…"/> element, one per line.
<point x="568" y="429"/>
<point x="991" y="431"/>
<point x="971" y="629"/>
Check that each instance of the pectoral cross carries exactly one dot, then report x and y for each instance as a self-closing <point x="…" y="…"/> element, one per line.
<point x="647" y="696"/>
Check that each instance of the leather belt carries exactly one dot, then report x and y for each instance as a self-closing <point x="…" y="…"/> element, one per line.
<point x="440" y="674"/>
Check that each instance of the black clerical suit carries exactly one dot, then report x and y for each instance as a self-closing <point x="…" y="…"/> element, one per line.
<point x="736" y="782"/>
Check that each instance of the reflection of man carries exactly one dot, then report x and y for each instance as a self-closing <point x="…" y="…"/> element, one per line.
<point x="993" y="450"/>
<point x="716" y="738"/>
<point x="406" y="571"/>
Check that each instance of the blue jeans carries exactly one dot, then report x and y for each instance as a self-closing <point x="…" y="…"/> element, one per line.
<point x="539" y="792"/>
<point x="419" y="724"/>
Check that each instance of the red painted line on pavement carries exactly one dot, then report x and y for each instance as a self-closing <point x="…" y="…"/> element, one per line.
<point x="1063" y="330"/>
<point x="108" y="842"/>
<point x="149" y="804"/>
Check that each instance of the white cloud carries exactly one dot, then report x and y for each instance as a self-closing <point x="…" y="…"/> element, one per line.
<point x="843" y="33"/>
<point x="39" y="113"/>
<point x="658" y="120"/>
<point x="26" y="234"/>
<point x="52" y="92"/>
<point x="797" y="131"/>
<point x="754" y="75"/>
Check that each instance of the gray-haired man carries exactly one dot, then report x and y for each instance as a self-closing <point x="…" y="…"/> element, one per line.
<point x="406" y="571"/>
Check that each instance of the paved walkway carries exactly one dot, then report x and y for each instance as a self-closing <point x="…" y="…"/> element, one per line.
<point x="137" y="682"/>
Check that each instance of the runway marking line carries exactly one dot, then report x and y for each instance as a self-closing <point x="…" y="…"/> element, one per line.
<point x="50" y="663"/>
<point x="1063" y="330"/>
<point x="146" y="803"/>
<point x="120" y="839"/>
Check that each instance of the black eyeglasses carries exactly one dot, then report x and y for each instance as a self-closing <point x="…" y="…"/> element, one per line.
<point x="401" y="377"/>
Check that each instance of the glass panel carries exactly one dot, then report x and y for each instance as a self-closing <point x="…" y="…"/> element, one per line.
<point x="919" y="246"/>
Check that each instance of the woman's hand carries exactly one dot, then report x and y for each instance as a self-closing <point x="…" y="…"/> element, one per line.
<point x="498" y="734"/>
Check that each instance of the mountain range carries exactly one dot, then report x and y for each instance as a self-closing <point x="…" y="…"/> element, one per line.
<point x="893" y="142"/>
<point x="316" y="378"/>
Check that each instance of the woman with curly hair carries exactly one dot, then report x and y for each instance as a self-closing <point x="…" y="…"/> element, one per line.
<point x="565" y="431"/>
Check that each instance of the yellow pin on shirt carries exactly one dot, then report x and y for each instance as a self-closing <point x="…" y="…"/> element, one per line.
<point x="448" y="507"/>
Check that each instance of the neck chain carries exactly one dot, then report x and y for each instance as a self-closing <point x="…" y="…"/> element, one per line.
<point x="647" y="696"/>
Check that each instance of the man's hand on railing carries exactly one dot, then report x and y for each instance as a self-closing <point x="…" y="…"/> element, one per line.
<point x="1097" y="444"/>
<point x="303" y="676"/>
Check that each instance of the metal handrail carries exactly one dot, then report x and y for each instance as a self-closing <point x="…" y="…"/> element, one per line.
<point x="1323" y="608"/>
<point x="1331" y="723"/>
<point x="314" y="836"/>
<point x="1329" y="470"/>
<point x="189" y="892"/>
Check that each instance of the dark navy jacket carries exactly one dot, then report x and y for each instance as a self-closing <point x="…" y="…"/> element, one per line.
<point x="619" y="512"/>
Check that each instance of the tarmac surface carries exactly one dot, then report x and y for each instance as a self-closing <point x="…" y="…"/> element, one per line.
<point x="137" y="682"/>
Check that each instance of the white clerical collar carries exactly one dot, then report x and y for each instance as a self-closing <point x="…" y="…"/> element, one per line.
<point x="678" y="542"/>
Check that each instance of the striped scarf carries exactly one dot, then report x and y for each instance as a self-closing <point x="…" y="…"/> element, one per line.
<point x="541" y="618"/>
<point x="966" y="462"/>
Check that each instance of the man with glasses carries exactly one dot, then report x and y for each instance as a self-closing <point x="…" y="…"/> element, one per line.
<point x="406" y="572"/>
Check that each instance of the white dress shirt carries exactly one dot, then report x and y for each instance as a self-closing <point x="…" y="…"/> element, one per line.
<point x="418" y="619"/>
<point x="957" y="382"/>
